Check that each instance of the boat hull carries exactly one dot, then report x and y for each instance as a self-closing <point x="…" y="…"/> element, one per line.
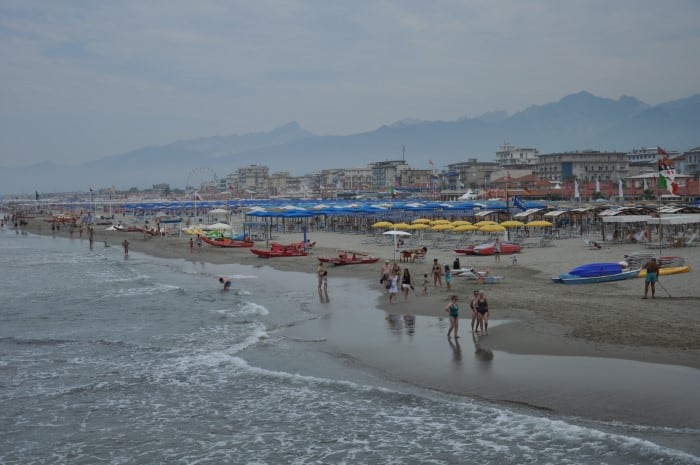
<point x="665" y="271"/>
<point x="349" y="259"/>
<point x="227" y="243"/>
<point x="567" y="278"/>
<point x="279" y="253"/>
<point x="507" y="248"/>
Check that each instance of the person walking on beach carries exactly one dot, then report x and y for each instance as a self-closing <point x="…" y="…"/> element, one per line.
<point x="199" y="243"/>
<point x="384" y="272"/>
<point x="406" y="284"/>
<point x="324" y="281"/>
<point x="125" y="244"/>
<point x="497" y="251"/>
<point x="437" y="273"/>
<point x="393" y="287"/>
<point x="426" y="283"/>
<point x="448" y="278"/>
<point x="191" y="245"/>
<point x="472" y="305"/>
<point x="482" y="308"/>
<point x="452" y="310"/>
<point x="652" y="267"/>
<point x="320" y="274"/>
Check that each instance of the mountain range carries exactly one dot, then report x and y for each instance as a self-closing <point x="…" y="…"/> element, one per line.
<point x="576" y="122"/>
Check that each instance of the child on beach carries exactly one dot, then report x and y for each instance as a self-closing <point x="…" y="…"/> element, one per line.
<point x="448" y="278"/>
<point x="426" y="283"/>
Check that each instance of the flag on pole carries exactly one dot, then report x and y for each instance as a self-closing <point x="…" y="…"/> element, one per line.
<point x="667" y="176"/>
<point x="620" y="191"/>
<point x="597" y="185"/>
<point x="577" y="194"/>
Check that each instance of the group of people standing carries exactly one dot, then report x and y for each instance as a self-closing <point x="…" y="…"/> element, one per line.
<point x="393" y="279"/>
<point x="480" y="314"/>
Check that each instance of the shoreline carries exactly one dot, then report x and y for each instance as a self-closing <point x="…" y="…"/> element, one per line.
<point x="606" y="320"/>
<point x="553" y="353"/>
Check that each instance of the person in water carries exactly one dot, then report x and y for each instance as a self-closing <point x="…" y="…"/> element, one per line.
<point x="226" y="283"/>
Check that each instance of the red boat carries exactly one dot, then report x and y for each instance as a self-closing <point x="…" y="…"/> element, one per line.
<point x="281" y="250"/>
<point x="468" y="250"/>
<point x="226" y="242"/>
<point x="124" y="228"/>
<point x="349" y="258"/>
<point x="507" y="248"/>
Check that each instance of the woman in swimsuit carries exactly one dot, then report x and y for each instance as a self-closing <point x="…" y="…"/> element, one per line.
<point x="452" y="310"/>
<point x="482" y="308"/>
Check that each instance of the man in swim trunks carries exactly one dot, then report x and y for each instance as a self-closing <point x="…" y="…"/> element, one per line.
<point x="652" y="267"/>
<point x="226" y="283"/>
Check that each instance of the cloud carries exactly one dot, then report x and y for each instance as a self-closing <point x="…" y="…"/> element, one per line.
<point x="167" y="70"/>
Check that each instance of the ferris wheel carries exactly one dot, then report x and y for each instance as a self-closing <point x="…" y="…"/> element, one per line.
<point x="200" y="180"/>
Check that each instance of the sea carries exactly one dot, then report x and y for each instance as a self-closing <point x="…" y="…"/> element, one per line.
<point x="107" y="359"/>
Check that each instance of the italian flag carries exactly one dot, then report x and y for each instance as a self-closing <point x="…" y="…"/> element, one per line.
<point x="667" y="176"/>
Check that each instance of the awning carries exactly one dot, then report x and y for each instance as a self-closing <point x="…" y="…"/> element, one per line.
<point x="627" y="219"/>
<point x="528" y="212"/>
<point x="555" y="213"/>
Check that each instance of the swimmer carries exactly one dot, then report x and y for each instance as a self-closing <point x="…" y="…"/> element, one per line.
<point x="226" y="283"/>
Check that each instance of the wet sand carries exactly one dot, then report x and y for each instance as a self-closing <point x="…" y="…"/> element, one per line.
<point x="595" y="351"/>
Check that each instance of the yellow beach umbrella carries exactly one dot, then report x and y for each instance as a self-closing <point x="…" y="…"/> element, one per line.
<point x="382" y="224"/>
<point x="442" y="227"/>
<point x="484" y="223"/>
<point x="538" y="224"/>
<point x="436" y="222"/>
<point x="421" y="221"/>
<point x="465" y="228"/>
<point x="419" y="226"/>
<point x="402" y="226"/>
<point x="461" y="223"/>
<point x="492" y="228"/>
<point x="512" y="224"/>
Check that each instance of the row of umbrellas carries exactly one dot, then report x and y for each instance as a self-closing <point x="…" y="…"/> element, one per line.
<point x="461" y="225"/>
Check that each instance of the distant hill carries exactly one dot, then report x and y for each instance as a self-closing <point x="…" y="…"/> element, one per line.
<point x="576" y="122"/>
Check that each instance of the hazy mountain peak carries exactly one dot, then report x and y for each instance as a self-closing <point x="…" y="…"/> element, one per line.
<point x="406" y="122"/>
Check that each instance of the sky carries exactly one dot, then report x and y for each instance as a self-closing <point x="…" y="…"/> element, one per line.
<point x="83" y="79"/>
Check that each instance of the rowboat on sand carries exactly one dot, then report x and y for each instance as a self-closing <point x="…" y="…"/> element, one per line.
<point x="349" y="258"/>
<point x="597" y="273"/>
<point x="226" y="242"/>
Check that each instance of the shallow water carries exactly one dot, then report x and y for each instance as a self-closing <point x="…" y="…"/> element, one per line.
<point x="144" y="360"/>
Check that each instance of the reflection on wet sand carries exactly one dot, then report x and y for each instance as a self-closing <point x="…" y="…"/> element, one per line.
<point x="481" y="352"/>
<point x="456" y="351"/>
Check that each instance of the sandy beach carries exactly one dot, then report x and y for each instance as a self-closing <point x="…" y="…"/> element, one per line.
<point x="531" y="315"/>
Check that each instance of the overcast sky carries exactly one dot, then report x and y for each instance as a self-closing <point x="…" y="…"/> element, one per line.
<point x="81" y="80"/>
